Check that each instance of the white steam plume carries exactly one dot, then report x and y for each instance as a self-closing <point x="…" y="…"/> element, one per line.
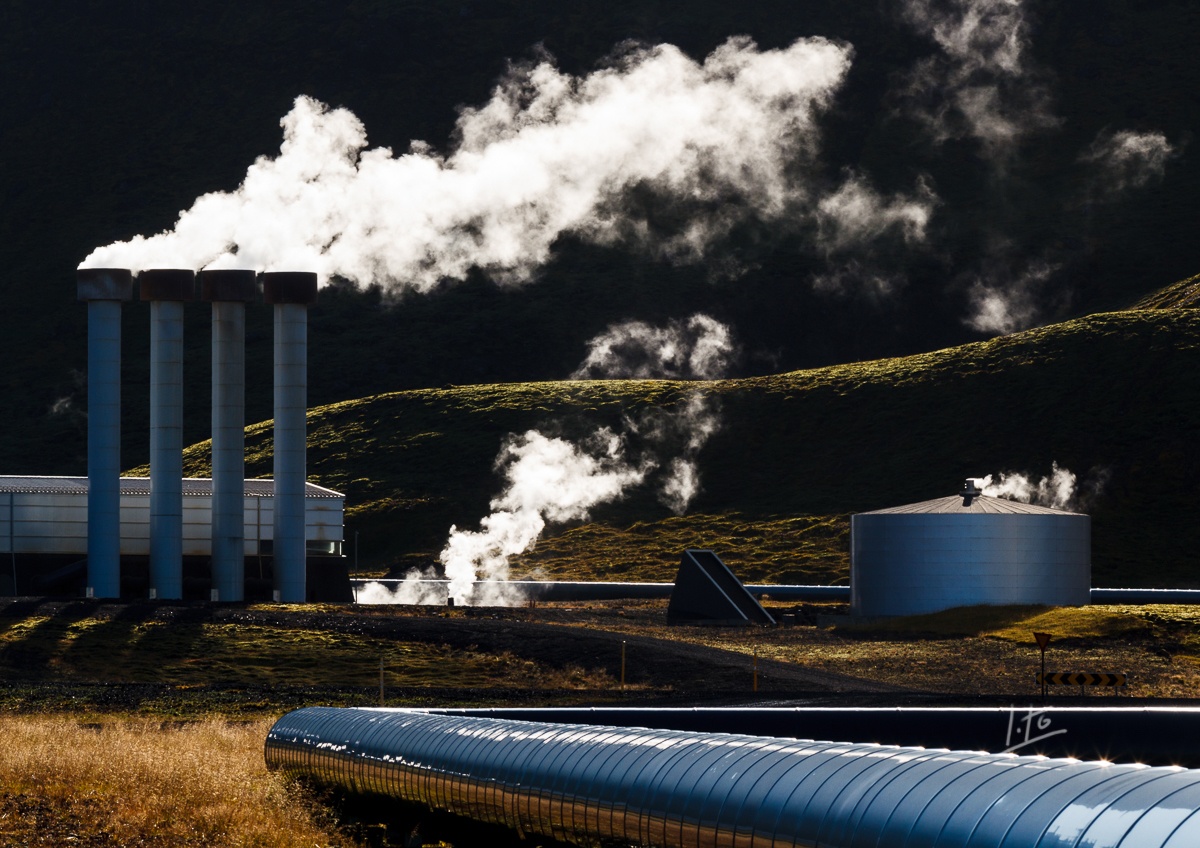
<point x="699" y="348"/>
<point x="1006" y="300"/>
<point x="982" y="85"/>
<point x="855" y="215"/>
<point x="1128" y="160"/>
<point x="547" y="480"/>
<point x="1060" y="489"/>
<point x="549" y="154"/>
<point x="554" y="480"/>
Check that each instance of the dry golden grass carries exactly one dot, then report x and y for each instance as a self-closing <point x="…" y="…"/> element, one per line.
<point x="138" y="783"/>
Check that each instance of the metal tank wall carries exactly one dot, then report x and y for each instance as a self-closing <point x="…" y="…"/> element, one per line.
<point x="585" y="784"/>
<point x="912" y="563"/>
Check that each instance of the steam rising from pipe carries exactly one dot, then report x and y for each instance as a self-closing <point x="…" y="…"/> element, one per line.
<point x="551" y="479"/>
<point x="1060" y="489"/>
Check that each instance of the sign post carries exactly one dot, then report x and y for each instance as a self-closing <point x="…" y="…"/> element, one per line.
<point x="1043" y="639"/>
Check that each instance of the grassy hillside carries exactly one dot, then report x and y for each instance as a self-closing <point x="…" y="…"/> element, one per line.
<point x="117" y="116"/>
<point x="1110" y="396"/>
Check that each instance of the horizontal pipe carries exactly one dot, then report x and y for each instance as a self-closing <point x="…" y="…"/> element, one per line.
<point x="586" y="783"/>
<point x="1145" y="596"/>
<point x="570" y="590"/>
<point x="1151" y="735"/>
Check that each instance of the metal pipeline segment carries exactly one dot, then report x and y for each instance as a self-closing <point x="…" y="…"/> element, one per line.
<point x="571" y="590"/>
<point x="587" y="783"/>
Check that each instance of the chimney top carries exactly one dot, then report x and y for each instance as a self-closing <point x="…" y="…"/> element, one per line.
<point x="167" y="284"/>
<point x="228" y="285"/>
<point x="289" y="287"/>
<point x="104" y="284"/>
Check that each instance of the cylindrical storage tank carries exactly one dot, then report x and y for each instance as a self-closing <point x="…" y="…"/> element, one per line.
<point x="166" y="290"/>
<point x="963" y="551"/>
<point x="103" y="289"/>
<point x="228" y="291"/>
<point x="291" y="293"/>
<point x="589" y="784"/>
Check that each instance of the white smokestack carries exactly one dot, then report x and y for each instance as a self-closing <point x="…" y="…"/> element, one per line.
<point x="104" y="289"/>
<point x="166" y="290"/>
<point x="291" y="293"/>
<point x="229" y="292"/>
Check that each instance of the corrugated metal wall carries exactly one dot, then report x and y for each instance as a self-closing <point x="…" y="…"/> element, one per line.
<point x="57" y="523"/>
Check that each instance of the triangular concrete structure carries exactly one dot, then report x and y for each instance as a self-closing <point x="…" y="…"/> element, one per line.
<point x="707" y="592"/>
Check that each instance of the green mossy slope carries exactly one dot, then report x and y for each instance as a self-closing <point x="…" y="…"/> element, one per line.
<point x="1113" y="397"/>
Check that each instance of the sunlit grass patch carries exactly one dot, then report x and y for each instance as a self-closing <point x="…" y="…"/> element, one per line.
<point x="136" y="782"/>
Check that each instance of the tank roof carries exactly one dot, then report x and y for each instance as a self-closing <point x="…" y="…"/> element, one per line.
<point x="978" y="505"/>
<point x="194" y="486"/>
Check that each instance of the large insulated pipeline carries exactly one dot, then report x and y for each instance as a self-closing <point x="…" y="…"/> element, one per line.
<point x="228" y="291"/>
<point x="103" y="289"/>
<point x="291" y="293"/>
<point x="166" y="290"/>
<point x="588" y="783"/>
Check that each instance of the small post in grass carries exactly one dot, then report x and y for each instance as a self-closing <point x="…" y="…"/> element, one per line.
<point x="381" y="681"/>
<point x="622" y="665"/>
<point x="756" y="668"/>
<point x="1043" y="639"/>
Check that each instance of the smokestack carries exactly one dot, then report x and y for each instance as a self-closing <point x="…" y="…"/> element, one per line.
<point x="103" y="289"/>
<point x="229" y="292"/>
<point x="166" y="290"/>
<point x="291" y="293"/>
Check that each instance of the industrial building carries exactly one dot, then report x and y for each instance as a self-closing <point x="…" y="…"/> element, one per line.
<point x="166" y="518"/>
<point x="44" y="527"/>
<point x="964" y="550"/>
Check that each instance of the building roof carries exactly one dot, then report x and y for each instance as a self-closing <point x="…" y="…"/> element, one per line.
<point x="192" y="486"/>
<point x="979" y="504"/>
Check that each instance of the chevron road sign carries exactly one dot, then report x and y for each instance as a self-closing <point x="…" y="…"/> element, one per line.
<point x="1080" y="679"/>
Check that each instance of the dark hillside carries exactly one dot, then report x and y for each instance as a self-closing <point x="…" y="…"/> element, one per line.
<point x="116" y="116"/>
<point x="1112" y="397"/>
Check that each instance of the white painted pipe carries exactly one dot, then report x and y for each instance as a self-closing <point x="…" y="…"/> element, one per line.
<point x="166" y="290"/>
<point x="228" y="291"/>
<point x="103" y="289"/>
<point x="291" y="294"/>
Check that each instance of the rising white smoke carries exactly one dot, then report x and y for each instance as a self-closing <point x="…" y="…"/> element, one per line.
<point x="1128" y="160"/>
<point x="1056" y="490"/>
<point x="698" y="348"/>
<point x="1060" y="489"/>
<point x="546" y="480"/>
<point x="1005" y="299"/>
<point x="556" y="480"/>
<point x="548" y="154"/>
<point x="855" y="215"/>
<point x="982" y="84"/>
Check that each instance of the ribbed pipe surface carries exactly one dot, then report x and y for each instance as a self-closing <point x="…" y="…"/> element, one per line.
<point x="584" y="784"/>
<point x="228" y="449"/>
<point x="104" y="448"/>
<point x="291" y="377"/>
<point x="166" y="449"/>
